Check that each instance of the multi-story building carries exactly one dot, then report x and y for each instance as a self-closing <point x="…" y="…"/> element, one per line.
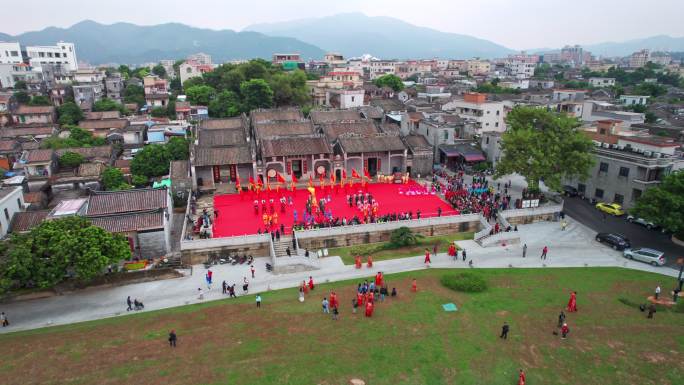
<point x="486" y="115"/>
<point x="10" y="53"/>
<point x="280" y="58"/>
<point x="201" y="58"/>
<point x="601" y="82"/>
<point x="568" y="95"/>
<point x="114" y="86"/>
<point x="156" y="91"/>
<point x="334" y="59"/>
<point x="575" y="55"/>
<point x="478" y="67"/>
<point x="11" y="202"/>
<point x="632" y="100"/>
<point x="87" y="94"/>
<point x="89" y="75"/>
<point x="191" y="69"/>
<point x="520" y="69"/>
<point x="61" y="53"/>
<point x="12" y="73"/>
<point x="379" y="68"/>
<point x="662" y="58"/>
<point x="639" y="58"/>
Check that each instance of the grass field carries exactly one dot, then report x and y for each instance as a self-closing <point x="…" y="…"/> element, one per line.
<point x="347" y="253"/>
<point x="409" y="340"/>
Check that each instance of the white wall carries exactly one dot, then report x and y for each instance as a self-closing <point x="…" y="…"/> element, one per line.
<point x="60" y="53"/>
<point x="9" y="205"/>
<point x="10" y="53"/>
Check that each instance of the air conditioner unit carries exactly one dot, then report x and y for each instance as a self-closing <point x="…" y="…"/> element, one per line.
<point x="647" y="153"/>
<point x="613" y="146"/>
<point x="620" y="147"/>
<point x="605" y="145"/>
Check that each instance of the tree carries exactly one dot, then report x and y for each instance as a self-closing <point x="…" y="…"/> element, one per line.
<point x="159" y="70"/>
<point x="125" y="71"/>
<point x="256" y="93"/>
<point x="69" y="113"/>
<point x="200" y="95"/>
<point x="71" y="159"/>
<point x="225" y="105"/>
<point x="20" y="85"/>
<point x="59" y="248"/>
<point x="392" y="81"/>
<point x="194" y="81"/>
<point x="78" y="137"/>
<point x="289" y="88"/>
<point x="159" y="112"/>
<point x="140" y="181"/>
<point x="39" y="100"/>
<point x="152" y="161"/>
<point x="178" y="148"/>
<point x="22" y="97"/>
<point x="113" y="179"/>
<point x="134" y="94"/>
<point x="403" y="236"/>
<point x="171" y="109"/>
<point x="542" y="145"/>
<point x="664" y="204"/>
<point x="106" y="104"/>
<point x="651" y="89"/>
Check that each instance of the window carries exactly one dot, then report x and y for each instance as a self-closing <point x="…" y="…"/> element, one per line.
<point x="188" y="70"/>
<point x="14" y="53"/>
<point x="581" y="188"/>
<point x="496" y="124"/>
<point x="636" y="194"/>
<point x="487" y="140"/>
<point x="497" y="112"/>
<point x="352" y="98"/>
<point x="446" y="135"/>
<point x="19" y="203"/>
<point x="624" y="172"/>
<point x="619" y="198"/>
<point x="598" y="193"/>
<point x="7" y="215"/>
<point x="602" y="131"/>
<point x="603" y="167"/>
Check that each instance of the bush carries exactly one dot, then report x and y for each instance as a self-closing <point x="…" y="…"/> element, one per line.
<point x="466" y="282"/>
<point x="71" y="159"/>
<point x="365" y="249"/>
<point x="403" y="236"/>
<point x="140" y="180"/>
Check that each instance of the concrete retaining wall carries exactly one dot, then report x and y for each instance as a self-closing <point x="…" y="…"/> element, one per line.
<point x="200" y="250"/>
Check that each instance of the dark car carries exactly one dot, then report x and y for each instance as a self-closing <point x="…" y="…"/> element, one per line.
<point x="616" y="241"/>
<point x="570" y="191"/>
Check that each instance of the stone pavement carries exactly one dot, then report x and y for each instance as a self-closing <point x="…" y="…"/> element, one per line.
<point x="574" y="247"/>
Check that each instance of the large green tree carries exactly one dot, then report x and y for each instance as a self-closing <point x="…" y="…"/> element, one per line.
<point x="256" y="93"/>
<point x="225" y="105"/>
<point x="134" y="94"/>
<point x="179" y="148"/>
<point x="59" y="248"/>
<point x="113" y="179"/>
<point x="22" y="97"/>
<point x="69" y="113"/>
<point x="159" y="70"/>
<point x="544" y="146"/>
<point x="71" y="159"/>
<point x="106" y="104"/>
<point x="152" y="161"/>
<point x="664" y="204"/>
<point x="40" y="100"/>
<point x="289" y="88"/>
<point x="392" y="81"/>
<point x="200" y="95"/>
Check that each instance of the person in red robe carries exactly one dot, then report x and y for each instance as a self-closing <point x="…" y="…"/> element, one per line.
<point x="572" y="303"/>
<point x="378" y="279"/>
<point x="359" y="299"/>
<point x="357" y="261"/>
<point x="414" y="285"/>
<point x="333" y="300"/>
<point x="369" y="263"/>
<point x="311" y="283"/>
<point x="305" y="287"/>
<point x="371" y="297"/>
<point x="369" y="309"/>
<point x="521" y="378"/>
<point x="427" y="256"/>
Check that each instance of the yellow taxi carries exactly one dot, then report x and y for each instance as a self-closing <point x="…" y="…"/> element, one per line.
<point x="610" y="208"/>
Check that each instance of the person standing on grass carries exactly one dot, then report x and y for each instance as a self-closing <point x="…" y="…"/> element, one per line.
<point x="521" y="378"/>
<point x="657" y="292"/>
<point x="427" y="257"/>
<point x="504" y="331"/>
<point x="651" y="310"/>
<point x="129" y="303"/>
<point x="355" y="304"/>
<point x="369" y="309"/>
<point x="414" y="285"/>
<point x="324" y="305"/>
<point x="335" y="313"/>
<point x="258" y="300"/>
<point x="561" y="318"/>
<point x="172" y="338"/>
<point x="564" y="331"/>
<point x="544" y="251"/>
<point x="311" y="283"/>
<point x="572" y="303"/>
<point x="524" y="250"/>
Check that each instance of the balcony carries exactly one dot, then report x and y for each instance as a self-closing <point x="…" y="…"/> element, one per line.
<point x="647" y="182"/>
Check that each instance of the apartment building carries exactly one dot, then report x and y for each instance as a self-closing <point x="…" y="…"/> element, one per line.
<point x="640" y="58"/>
<point x="191" y="69"/>
<point x="486" y="115"/>
<point x="601" y="82"/>
<point x="10" y="53"/>
<point x="61" y="53"/>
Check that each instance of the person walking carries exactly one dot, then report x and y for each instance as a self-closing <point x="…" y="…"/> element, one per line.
<point x="561" y="319"/>
<point x="545" y="250"/>
<point x="4" y="320"/>
<point x="521" y="378"/>
<point x="564" y="331"/>
<point x="252" y="269"/>
<point x="245" y="285"/>
<point x="463" y="255"/>
<point x="657" y="292"/>
<point x="172" y="338"/>
<point x="325" y="304"/>
<point x="231" y="291"/>
<point x="224" y="285"/>
<point x="504" y="331"/>
<point x="288" y="252"/>
<point x="335" y="313"/>
<point x="651" y="310"/>
<point x="524" y="250"/>
<point x="258" y="300"/>
<point x="129" y="303"/>
<point x="200" y="293"/>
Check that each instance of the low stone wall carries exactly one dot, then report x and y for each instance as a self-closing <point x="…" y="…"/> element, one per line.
<point x="372" y="233"/>
<point x="198" y="251"/>
<point x="527" y="219"/>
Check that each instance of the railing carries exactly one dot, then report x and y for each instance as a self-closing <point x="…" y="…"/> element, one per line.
<point x="239" y="240"/>
<point x="385" y="226"/>
<point x="546" y="209"/>
<point x="486" y="229"/>
<point x="499" y="237"/>
<point x="272" y="249"/>
<point x="502" y="220"/>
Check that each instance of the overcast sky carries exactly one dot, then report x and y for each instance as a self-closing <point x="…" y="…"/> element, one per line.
<point x="517" y="24"/>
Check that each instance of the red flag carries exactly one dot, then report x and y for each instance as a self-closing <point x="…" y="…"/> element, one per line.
<point x="366" y="174"/>
<point x="344" y="174"/>
<point x="251" y="181"/>
<point x="280" y="178"/>
<point x="238" y="186"/>
<point x="294" y="178"/>
<point x="311" y="183"/>
<point x="332" y="178"/>
<point x="355" y="174"/>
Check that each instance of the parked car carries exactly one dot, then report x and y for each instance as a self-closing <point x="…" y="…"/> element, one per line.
<point x="654" y="257"/>
<point x="610" y="208"/>
<point x="570" y="191"/>
<point x="641" y="221"/>
<point x="616" y="241"/>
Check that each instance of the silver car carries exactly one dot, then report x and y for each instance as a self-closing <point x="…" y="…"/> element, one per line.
<point x="654" y="257"/>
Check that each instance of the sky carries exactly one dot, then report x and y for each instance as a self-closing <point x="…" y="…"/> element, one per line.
<point x="517" y="24"/>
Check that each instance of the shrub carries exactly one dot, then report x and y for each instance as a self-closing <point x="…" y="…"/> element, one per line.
<point x="403" y="236"/>
<point x="71" y="159"/>
<point x="466" y="282"/>
<point x="365" y="249"/>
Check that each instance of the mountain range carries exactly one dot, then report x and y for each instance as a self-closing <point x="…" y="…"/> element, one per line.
<point x="351" y="34"/>
<point x="132" y="44"/>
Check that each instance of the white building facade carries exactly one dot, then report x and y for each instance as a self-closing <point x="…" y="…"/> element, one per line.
<point x="61" y="53"/>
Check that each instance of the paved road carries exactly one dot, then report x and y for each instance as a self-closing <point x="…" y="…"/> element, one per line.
<point x="585" y="213"/>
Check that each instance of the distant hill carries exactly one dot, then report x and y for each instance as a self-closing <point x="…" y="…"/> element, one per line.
<point x="354" y="34"/>
<point x="654" y="43"/>
<point x="132" y="44"/>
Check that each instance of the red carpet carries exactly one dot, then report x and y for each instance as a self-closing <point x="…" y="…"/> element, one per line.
<point x="237" y="217"/>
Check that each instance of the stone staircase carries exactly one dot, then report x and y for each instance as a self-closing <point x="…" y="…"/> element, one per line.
<point x="281" y="246"/>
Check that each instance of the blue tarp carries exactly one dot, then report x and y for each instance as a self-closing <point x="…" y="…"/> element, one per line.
<point x="449" y="307"/>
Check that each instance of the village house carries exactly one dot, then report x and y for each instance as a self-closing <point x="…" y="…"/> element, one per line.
<point x="11" y="202"/>
<point x="420" y="160"/>
<point x="10" y="151"/>
<point x="102" y="128"/>
<point x="191" y="69"/>
<point x="28" y="133"/>
<point x="376" y="153"/>
<point x="487" y="115"/>
<point x="143" y="216"/>
<point x="156" y="92"/>
<point x="35" y="115"/>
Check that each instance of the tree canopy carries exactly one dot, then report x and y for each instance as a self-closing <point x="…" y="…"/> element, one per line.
<point x="200" y="94"/>
<point x="542" y="145"/>
<point x="106" y="104"/>
<point x="40" y="100"/>
<point x="78" y="137"/>
<point x="159" y="70"/>
<point x="256" y="93"/>
<point x="71" y="159"/>
<point x="392" y="81"/>
<point x="22" y="97"/>
<point x="664" y="204"/>
<point x="154" y="160"/>
<point x="59" y="248"/>
<point x="69" y="113"/>
<point x="113" y="179"/>
<point x="134" y="94"/>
